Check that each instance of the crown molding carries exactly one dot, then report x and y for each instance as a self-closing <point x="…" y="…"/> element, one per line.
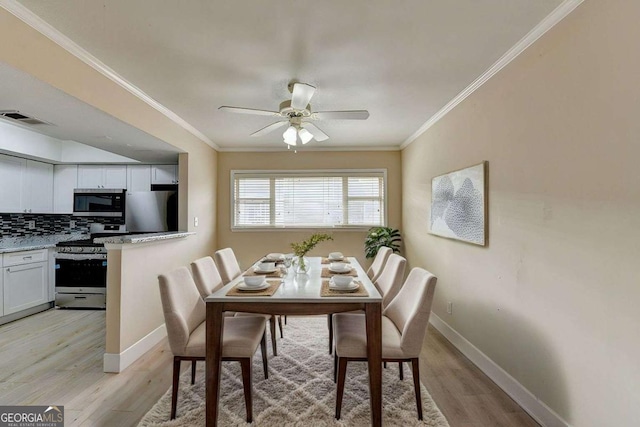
<point x="558" y="14"/>
<point x="37" y="23"/>
<point x="303" y="149"/>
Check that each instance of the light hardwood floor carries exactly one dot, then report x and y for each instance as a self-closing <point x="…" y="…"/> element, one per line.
<point x="55" y="358"/>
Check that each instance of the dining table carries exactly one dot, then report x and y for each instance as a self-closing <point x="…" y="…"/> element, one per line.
<point x="297" y="294"/>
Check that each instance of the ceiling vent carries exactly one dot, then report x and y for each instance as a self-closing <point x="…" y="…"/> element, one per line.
<point x="15" y="115"/>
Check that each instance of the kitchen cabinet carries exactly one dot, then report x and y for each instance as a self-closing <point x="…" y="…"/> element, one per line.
<point x="38" y="194"/>
<point x="139" y="178"/>
<point x="102" y="176"/>
<point x="12" y="176"/>
<point x="25" y="281"/>
<point x="27" y="186"/>
<point x="1" y="288"/>
<point x="65" y="180"/>
<point x="164" y="174"/>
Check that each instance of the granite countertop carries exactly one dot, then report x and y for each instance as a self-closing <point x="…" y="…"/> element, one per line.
<point x="17" y="244"/>
<point x="144" y="238"/>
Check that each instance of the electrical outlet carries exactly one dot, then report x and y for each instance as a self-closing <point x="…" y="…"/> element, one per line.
<point x="195" y="221"/>
<point x="31" y="225"/>
<point x="72" y="224"/>
<point x="450" y="307"/>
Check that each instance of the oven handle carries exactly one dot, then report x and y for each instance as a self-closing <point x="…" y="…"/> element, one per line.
<point x="60" y="255"/>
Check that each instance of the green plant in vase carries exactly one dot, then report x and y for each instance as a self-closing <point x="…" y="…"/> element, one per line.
<point x="301" y="249"/>
<point x="381" y="236"/>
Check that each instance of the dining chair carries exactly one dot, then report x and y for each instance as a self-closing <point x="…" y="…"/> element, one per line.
<point x="404" y="323"/>
<point x="185" y="313"/>
<point x="378" y="263"/>
<point x="388" y="284"/>
<point x="229" y="269"/>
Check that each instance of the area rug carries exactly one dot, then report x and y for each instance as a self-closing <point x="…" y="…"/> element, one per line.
<point x="300" y="390"/>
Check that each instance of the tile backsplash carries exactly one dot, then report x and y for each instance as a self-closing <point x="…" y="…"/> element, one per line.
<point x="17" y="225"/>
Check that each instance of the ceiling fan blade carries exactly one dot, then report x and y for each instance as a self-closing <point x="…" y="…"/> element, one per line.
<point x="248" y="111"/>
<point x="341" y="115"/>
<point x="270" y="128"/>
<point x="301" y="95"/>
<point x="315" y="131"/>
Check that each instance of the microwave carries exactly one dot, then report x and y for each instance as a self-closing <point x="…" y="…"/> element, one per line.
<point x="99" y="202"/>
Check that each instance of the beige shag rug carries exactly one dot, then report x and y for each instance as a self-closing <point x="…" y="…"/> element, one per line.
<point x="300" y="390"/>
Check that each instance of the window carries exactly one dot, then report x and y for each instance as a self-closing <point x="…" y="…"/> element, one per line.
<point x="316" y="199"/>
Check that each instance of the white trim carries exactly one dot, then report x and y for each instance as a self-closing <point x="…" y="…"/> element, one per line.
<point x="544" y="415"/>
<point x="37" y="23"/>
<point x="117" y="362"/>
<point x="263" y="149"/>
<point x="558" y="14"/>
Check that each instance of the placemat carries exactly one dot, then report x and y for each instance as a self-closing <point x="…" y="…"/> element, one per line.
<point x="329" y="261"/>
<point x="326" y="273"/>
<point x="325" y="291"/>
<point x="278" y="273"/>
<point x="273" y="287"/>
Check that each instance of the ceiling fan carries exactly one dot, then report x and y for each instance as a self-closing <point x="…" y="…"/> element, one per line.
<point x="297" y="114"/>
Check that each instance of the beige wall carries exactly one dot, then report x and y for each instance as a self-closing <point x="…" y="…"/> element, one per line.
<point x="33" y="53"/>
<point x="554" y="297"/>
<point x="249" y="246"/>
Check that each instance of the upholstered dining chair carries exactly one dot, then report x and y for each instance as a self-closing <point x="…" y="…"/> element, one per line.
<point x="388" y="284"/>
<point x="378" y="263"/>
<point x="404" y="323"/>
<point x="229" y="269"/>
<point x="184" y="314"/>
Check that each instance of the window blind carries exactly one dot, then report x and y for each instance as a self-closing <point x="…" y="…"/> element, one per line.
<point x="308" y="199"/>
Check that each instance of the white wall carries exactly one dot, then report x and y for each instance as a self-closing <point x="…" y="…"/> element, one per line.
<point x="553" y="299"/>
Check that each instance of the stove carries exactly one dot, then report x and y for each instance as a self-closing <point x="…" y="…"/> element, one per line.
<point x="81" y="270"/>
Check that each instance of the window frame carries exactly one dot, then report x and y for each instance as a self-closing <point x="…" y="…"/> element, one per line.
<point x="275" y="173"/>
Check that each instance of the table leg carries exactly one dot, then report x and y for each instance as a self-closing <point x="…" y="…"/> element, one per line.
<point x="374" y="356"/>
<point x="213" y="361"/>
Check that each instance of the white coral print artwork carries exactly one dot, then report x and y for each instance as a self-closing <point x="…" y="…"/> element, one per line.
<point x="458" y="205"/>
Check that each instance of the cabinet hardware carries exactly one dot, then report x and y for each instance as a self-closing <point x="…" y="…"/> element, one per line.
<point x="27" y="257"/>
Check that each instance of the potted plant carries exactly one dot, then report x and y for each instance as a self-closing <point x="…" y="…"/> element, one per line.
<point x="302" y="248"/>
<point x="381" y="236"/>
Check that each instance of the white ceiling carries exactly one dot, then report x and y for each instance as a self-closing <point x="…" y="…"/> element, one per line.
<point x="403" y="61"/>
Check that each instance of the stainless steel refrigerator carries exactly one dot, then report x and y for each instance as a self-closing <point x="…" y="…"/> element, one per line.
<point x="151" y="211"/>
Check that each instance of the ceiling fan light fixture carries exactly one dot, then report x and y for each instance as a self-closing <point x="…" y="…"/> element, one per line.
<point x="305" y="135"/>
<point x="290" y="136"/>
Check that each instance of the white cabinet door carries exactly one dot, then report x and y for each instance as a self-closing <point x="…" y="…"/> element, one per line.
<point x="164" y="174"/>
<point x="25" y="286"/>
<point x="115" y="176"/>
<point x="12" y="179"/>
<point x="39" y="187"/>
<point x="1" y="289"/>
<point x="90" y="176"/>
<point x="65" y="180"/>
<point x="139" y="178"/>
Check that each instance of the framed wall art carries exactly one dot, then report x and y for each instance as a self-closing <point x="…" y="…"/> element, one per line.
<point x="459" y="205"/>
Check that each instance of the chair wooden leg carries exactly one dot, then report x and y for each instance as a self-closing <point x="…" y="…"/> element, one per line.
<point x="263" y="350"/>
<point x="280" y="326"/>
<point x="342" y="373"/>
<point x="384" y="364"/>
<point x="401" y="371"/>
<point x="330" y="322"/>
<point x="245" y="364"/>
<point x="193" y="372"/>
<point x="415" y="367"/>
<point x="176" y="381"/>
<point x="335" y="367"/>
<point x="272" y="329"/>
<point x="285" y="320"/>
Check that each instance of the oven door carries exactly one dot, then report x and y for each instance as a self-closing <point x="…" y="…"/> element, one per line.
<point x="102" y="202"/>
<point x="81" y="273"/>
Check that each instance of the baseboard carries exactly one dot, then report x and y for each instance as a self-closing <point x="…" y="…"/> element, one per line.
<point x="544" y="415"/>
<point x="118" y="362"/>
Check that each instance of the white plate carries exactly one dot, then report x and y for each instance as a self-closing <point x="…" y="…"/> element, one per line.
<point x="335" y="259"/>
<point x="243" y="287"/>
<point x="259" y="271"/>
<point x="346" y="270"/>
<point x="353" y="286"/>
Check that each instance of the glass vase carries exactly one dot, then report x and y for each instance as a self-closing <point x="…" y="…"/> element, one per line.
<point x="301" y="265"/>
